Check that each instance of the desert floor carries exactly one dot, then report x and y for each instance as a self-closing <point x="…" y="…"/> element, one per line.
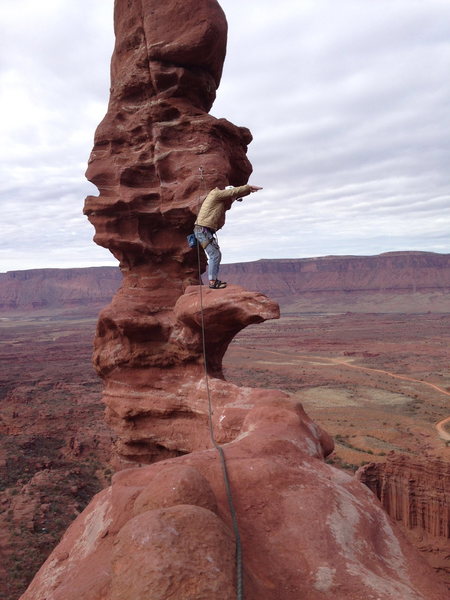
<point x="376" y="382"/>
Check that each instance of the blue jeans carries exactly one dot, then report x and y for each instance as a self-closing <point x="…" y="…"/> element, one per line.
<point x="203" y="234"/>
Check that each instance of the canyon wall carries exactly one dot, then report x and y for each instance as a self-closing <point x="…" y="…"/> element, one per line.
<point x="415" y="492"/>
<point x="396" y="271"/>
<point x="397" y="280"/>
<point x="38" y="289"/>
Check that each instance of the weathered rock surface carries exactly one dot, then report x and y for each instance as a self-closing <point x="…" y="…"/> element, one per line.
<point x="405" y="487"/>
<point x="154" y="371"/>
<point x="415" y="492"/>
<point x="156" y="154"/>
<point x="308" y="530"/>
<point x="163" y="530"/>
<point x="158" y="151"/>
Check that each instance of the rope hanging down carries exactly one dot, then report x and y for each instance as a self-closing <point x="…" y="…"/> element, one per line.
<point x="239" y="562"/>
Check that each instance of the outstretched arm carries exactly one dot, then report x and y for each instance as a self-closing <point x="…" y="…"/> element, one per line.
<point x="251" y="189"/>
<point x="233" y="193"/>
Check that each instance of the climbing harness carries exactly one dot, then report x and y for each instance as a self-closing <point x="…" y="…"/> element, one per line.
<point x="205" y="231"/>
<point x="237" y="537"/>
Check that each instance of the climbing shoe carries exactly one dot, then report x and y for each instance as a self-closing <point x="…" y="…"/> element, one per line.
<point x="218" y="285"/>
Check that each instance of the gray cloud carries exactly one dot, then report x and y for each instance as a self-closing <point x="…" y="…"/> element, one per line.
<point x="347" y="101"/>
<point x="353" y="138"/>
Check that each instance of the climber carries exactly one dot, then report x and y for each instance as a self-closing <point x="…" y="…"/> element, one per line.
<point x="211" y="217"/>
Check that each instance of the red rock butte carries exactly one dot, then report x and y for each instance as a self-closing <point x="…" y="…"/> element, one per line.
<point x="163" y="530"/>
<point x="156" y="154"/>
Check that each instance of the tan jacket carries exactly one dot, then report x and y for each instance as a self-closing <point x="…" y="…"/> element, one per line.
<point x="212" y="211"/>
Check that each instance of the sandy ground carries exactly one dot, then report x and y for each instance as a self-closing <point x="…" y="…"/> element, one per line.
<point x="375" y="382"/>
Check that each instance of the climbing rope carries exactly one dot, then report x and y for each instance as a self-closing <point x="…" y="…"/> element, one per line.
<point x="237" y="537"/>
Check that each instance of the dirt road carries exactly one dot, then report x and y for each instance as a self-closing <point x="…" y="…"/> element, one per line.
<point x="440" y="427"/>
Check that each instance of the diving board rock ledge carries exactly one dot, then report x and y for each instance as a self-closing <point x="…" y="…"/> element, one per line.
<point x="162" y="529"/>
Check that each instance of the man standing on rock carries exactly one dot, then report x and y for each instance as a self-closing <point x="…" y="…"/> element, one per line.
<point x="210" y="219"/>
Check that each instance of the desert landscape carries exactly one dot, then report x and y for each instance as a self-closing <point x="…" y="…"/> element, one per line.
<point x="287" y="433"/>
<point x="378" y="382"/>
<point x="386" y="376"/>
<point x="54" y="446"/>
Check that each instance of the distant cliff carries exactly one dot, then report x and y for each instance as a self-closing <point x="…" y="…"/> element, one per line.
<point x="416" y="493"/>
<point x="393" y="271"/>
<point x="406" y="282"/>
<point x="413" y="491"/>
<point x="58" y="288"/>
<point x="395" y="281"/>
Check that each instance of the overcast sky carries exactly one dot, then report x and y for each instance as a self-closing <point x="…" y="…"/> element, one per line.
<point x="348" y="102"/>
